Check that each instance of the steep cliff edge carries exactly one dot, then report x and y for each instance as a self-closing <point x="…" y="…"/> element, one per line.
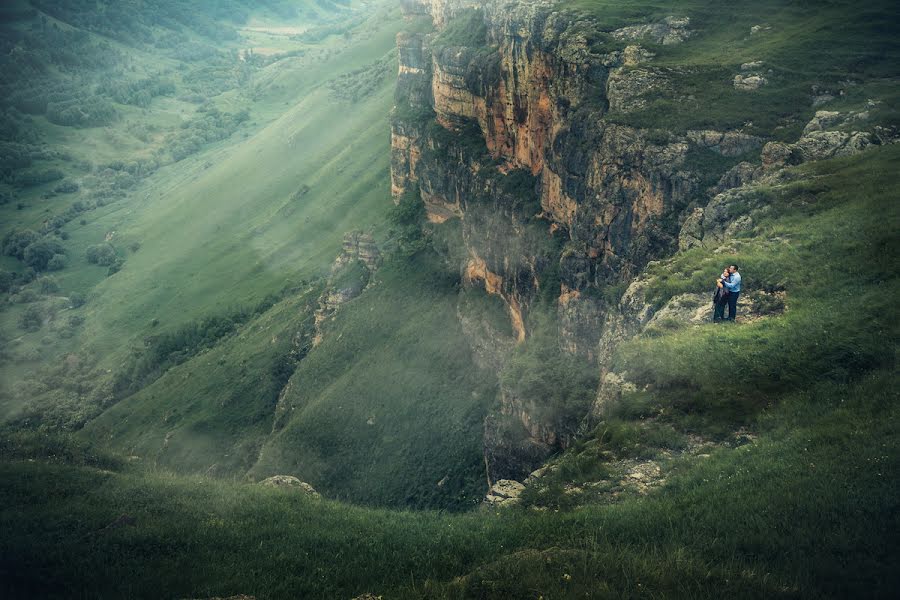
<point x="517" y="118"/>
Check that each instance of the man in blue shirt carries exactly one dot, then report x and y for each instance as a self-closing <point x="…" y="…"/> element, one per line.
<point x="733" y="285"/>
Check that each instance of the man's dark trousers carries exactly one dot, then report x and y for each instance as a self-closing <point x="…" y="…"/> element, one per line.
<point x="732" y="305"/>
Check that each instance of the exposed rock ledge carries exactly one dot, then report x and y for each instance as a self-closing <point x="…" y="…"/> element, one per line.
<point x="505" y="492"/>
<point x="292" y="483"/>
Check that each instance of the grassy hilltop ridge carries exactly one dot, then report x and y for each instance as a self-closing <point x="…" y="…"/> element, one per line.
<point x="156" y="355"/>
<point x="803" y="49"/>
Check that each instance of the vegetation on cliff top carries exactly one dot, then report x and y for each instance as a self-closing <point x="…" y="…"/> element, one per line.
<point x="806" y="49"/>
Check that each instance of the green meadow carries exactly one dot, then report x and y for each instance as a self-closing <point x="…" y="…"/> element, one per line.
<point x="184" y="175"/>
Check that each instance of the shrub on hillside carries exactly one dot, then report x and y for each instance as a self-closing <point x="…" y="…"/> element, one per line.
<point x="15" y="242"/>
<point x="101" y="254"/>
<point x="39" y="254"/>
<point x="362" y="82"/>
<point x="86" y="111"/>
<point x="559" y="386"/>
<point x="115" y="267"/>
<point x="48" y="285"/>
<point x="26" y="296"/>
<point x="7" y="280"/>
<point x="37" y="177"/>
<point x="67" y="187"/>
<point x="57" y="263"/>
<point x="31" y="319"/>
<point x="407" y="218"/>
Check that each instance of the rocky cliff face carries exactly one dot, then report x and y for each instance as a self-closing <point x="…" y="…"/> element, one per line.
<point x="351" y="272"/>
<point x="508" y="134"/>
<point x="536" y="93"/>
<point x="504" y="120"/>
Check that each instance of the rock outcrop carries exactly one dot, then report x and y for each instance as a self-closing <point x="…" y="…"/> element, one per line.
<point x="749" y="83"/>
<point x="351" y="272"/>
<point x="671" y="30"/>
<point x="505" y="492"/>
<point x="291" y="483"/>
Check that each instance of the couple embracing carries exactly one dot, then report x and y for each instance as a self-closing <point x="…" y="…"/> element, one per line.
<point x="728" y="288"/>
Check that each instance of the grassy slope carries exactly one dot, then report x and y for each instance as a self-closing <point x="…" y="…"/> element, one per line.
<point x="212" y="237"/>
<point x="231" y="234"/>
<point x="220" y="228"/>
<point x="390" y="404"/>
<point x="210" y="414"/>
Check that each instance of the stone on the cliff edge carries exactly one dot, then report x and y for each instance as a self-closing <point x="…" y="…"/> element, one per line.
<point x="635" y="55"/>
<point x="505" y="492"/>
<point x="777" y="154"/>
<point x="691" y="234"/>
<point x="725" y="208"/>
<point x="819" y="145"/>
<point x="726" y="143"/>
<point x="684" y="309"/>
<point x="671" y="30"/>
<point x="749" y="66"/>
<point x="739" y="225"/>
<point x="538" y="473"/>
<point x="627" y="89"/>
<point x="697" y="308"/>
<point x="290" y="482"/>
<point x="823" y="120"/>
<point x="821" y="99"/>
<point x="738" y="175"/>
<point x="749" y="83"/>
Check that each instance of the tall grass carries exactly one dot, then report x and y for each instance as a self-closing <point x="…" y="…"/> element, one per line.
<point x="808" y="511"/>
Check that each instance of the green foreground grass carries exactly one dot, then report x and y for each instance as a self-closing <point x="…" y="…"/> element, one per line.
<point x="808" y="511"/>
